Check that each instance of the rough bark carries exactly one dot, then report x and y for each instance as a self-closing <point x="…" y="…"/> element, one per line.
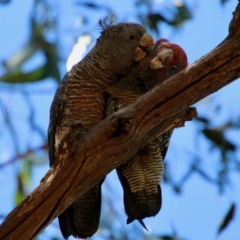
<point x="116" y="139"/>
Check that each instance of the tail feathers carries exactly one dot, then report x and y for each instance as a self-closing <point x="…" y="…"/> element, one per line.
<point x="81" y="219"/>
<point x="66" y="224"/>
<point x="129" y="220"/>
<point x="139" y="205"/>
<point x="142" y="223"/>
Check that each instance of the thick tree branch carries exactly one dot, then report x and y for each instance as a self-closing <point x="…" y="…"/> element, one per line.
<point x="121" y="135"/>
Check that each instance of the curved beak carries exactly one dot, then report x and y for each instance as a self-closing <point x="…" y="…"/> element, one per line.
<point x="162" y="58"/>
<point x="145" y="46"/>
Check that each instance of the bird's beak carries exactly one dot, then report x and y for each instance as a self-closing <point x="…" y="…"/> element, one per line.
<point x="145" y="45"/>
<point x="162" y="58"/>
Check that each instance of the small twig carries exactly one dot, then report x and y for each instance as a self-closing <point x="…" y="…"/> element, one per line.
<point x="24" y="155"/>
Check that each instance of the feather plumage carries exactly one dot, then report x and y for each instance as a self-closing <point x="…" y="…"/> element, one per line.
<point x="140" y="177"/>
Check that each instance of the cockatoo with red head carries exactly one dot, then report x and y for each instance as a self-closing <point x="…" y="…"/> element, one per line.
<point x="140" y="177"/>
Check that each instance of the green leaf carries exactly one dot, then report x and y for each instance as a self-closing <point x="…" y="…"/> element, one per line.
<point x="90" y="5"/>
<point x="23" y="180"/>
<point x="216" y="136"/>
<point x="223" y="1"/>
<point x="154" y="19"/>
<point x="167" y="238"/>
<point x="5" y="1"/>
<point x="50" y="51"/>
<point x="95" y="6"/>
<point x="17" y="76"/>
<point x="19" y="194"/>
<point x="19" y="197"/>
<point x="227" y="218"/>
<point x="19" y="57"/>
<point x="202" y="119"/>
<point x="183" y="13"/>
<point x="163" y="237"/>
<point x="49" y="69"/>
<point x="27" y="172"/>
<point x="36" y="42"/>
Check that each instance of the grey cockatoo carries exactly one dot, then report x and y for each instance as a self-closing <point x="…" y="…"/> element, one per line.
<point x="81" y="100"/>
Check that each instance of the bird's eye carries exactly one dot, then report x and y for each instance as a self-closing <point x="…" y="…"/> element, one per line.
<point x="174" y="68"/>
<point x="131" y="37"/>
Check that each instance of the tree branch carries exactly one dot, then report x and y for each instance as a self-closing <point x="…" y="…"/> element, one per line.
<point x="121" y="135"/>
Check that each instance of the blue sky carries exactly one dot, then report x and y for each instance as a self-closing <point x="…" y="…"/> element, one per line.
<point x="195" y="214"/>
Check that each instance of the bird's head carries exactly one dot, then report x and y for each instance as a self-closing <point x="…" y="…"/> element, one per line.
<point x="123" y="44"/>
<point x="169" y="56"/>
